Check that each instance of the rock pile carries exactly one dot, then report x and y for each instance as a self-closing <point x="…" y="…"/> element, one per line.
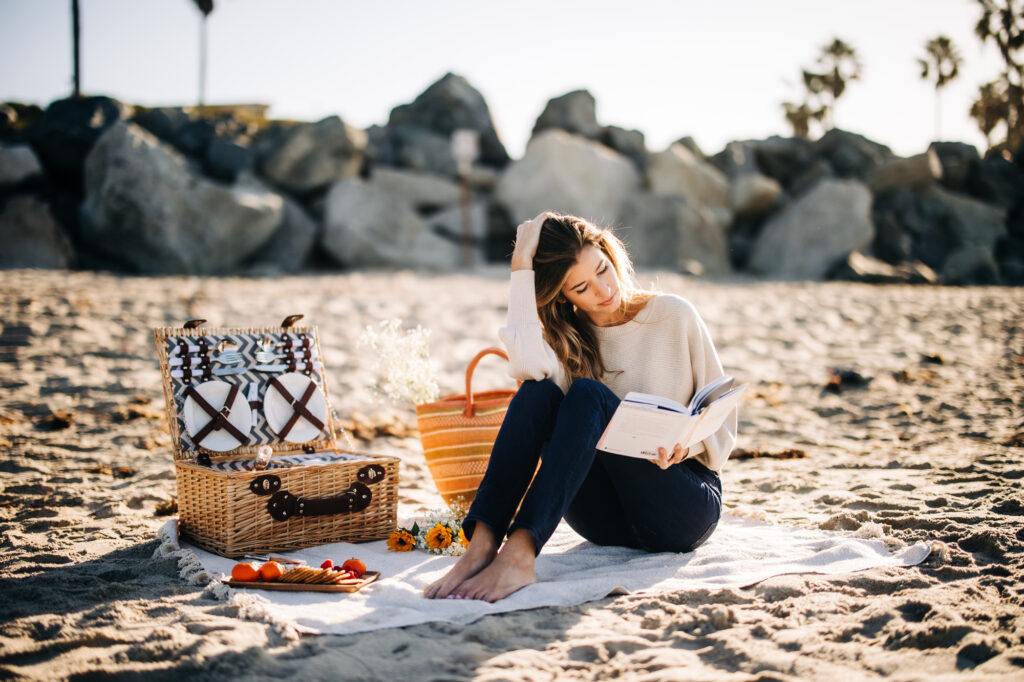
<point x="92" y="182"/>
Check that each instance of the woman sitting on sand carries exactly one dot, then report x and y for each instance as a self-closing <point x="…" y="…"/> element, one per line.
<point x="597" y="338"/>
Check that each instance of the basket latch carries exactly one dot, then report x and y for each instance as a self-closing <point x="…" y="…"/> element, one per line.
<point x="291" y="320"/>
<point x="194" y="324"/>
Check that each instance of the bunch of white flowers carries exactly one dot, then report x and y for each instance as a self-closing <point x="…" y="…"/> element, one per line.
<point x="404" y="371"/>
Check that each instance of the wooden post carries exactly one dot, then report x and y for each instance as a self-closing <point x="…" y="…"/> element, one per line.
<point x="465" y="148"/>
<point x="76" y="48"/>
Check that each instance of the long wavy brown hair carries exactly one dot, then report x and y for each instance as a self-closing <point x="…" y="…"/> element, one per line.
<point x="567" y="330"/>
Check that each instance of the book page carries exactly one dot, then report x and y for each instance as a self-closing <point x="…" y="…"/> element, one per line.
<point x="639" y="431"/>
<point x="710" y="393"/>
<point x="712" y="418"/>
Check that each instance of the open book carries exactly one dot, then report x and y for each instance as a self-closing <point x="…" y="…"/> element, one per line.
<point x="643" y="423"/>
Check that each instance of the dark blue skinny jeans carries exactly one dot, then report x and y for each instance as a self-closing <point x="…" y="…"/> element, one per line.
<point x="608" y="499"/>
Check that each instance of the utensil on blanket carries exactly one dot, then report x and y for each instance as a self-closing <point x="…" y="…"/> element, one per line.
<point x="267" y="344"/>
<point x="228" y="353"/>
<point x="227" y="371"/>
<point x="267" y="357"/>
<point x="228" y="357"/>
<point x="282" y="367"/>
<point x="274" y="557"/>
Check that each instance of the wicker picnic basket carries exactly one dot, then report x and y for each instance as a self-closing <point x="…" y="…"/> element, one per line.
<point x="458" y="433"/>
<point x="311" y="491"/>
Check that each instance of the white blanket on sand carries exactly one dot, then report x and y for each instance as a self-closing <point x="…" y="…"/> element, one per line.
<point x="570" y="570"/>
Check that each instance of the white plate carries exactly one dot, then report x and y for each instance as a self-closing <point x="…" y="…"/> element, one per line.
<point x="278" y="410"/>
<point x="216" y="393"/>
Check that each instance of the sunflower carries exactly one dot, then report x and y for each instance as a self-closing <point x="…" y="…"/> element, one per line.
<point x="401" y="540"/>
<point x="439" y="537"/>
<point x="463" y="540"/>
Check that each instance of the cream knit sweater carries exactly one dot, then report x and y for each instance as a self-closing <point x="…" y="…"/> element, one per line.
<point x="665" y="350"/>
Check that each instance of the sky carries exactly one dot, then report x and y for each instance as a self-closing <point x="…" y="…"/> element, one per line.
<point x="714" y="70"/>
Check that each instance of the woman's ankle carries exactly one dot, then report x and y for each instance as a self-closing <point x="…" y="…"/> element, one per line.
<point x="520" y="547"/>
<point x="483" y="539"/>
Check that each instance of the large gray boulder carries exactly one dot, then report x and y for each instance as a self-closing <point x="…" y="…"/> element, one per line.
<point x="972" y="222"/>
<point x="677" y="172"/>
<point x="448" y="105"/>
<point x="971" y="264"/>
<point x="849" y="154"/>
<point x="68" y="130"/>
<point x="31" y="237"/>
<point x="666" y="232"/>
<point x="629" y="143"/>
<point x="421" y="191"/>
<point x="917" y="172"/>
<point x="997" y="181"/>
<point x="753" y="194"/>
<point x="453" y="221"/>
<point x="18" y="164"/>
<point x="145" y="207"/>
<point x="783" y="158"/>
<point x="807" y="238"/>
<point x="574" y="112"/>
<point x="738" y="158"/>
<point x="307" y="157"/>
<point x="957" y="160"/>
<point x="291" y="245"/>
<point x="367" y="225"/>
<point x="411" y="147"/>
<point x="570" y="174"/>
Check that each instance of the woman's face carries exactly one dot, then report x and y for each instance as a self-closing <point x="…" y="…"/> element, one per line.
<point x="592" y="286"/>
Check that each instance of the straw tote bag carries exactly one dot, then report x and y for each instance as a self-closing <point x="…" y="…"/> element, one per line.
<point x="458" y="434"/>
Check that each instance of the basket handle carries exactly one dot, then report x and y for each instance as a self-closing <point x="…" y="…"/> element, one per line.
<point x="493" y="350"/>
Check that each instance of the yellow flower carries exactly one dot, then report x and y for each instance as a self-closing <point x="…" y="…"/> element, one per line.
<point x="439" y="537"/>
<point x="463" y="540"/>
<point x="401" y="540"/>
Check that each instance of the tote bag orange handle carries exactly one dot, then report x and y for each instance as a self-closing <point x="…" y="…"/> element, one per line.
<point x="469" y="375"/>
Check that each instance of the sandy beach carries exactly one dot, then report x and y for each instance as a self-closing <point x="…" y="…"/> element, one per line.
<point x="924" y="442"/>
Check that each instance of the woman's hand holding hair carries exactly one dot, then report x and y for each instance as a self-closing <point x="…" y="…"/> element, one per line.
<point x="527" y="238"/>
<point x="665" y="460"/>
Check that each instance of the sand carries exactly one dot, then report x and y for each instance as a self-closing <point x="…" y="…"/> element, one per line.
<point x="930" y="448"/>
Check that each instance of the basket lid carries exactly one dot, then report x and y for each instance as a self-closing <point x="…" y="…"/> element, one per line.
<point x="230" y="390"/>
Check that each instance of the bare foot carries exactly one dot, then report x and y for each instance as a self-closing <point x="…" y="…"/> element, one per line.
<point x="509" y="572"/>
<point x="480" y="553"/>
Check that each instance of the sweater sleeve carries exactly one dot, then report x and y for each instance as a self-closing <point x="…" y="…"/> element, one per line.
<point x="530" y="356"/>
<point x="707" y="367"/>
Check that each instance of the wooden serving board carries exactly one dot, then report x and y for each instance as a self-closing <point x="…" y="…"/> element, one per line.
<point x="346" y="586"/>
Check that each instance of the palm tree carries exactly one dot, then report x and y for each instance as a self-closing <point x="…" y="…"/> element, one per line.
<point x="989" y="110"/>
<point x="205" y="7"/>
<point x="942" y="61"/>
<point x="799" y="117"/>
<point x="839" y="63"/>
<point x="1002" y="22"/>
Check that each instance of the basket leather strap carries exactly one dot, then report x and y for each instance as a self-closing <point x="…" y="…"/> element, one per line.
<point x="219" y="418"/>
<point x="299" y="406"/>
<point x="282" y="505"/>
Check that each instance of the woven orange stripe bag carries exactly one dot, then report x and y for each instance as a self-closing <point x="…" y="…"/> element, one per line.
<point x="458" y="434"/>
